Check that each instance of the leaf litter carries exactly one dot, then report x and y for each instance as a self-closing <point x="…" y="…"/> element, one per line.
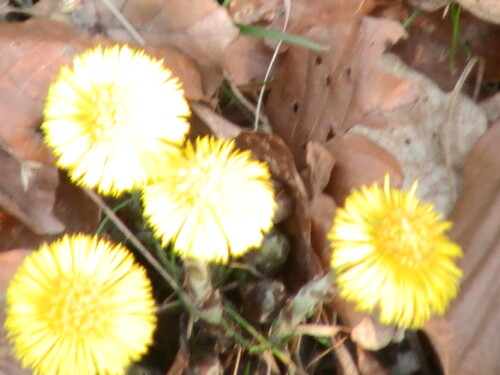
<point x="341" y="118"/>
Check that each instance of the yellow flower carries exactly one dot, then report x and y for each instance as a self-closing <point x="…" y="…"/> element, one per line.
<point x="213" y="201"/>
<point x="391" y="254"/>
<point x="114" y="117"/>
<point x="80" y="306"/>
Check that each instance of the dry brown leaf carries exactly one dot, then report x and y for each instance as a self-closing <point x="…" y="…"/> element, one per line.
<point x="27" y="191"/>
<point x="255" y="11"/>
<point x="429" y="5"/>
<point x="370" y="334"/>
<point x="247" y="59"/>
<point x="202" y="30"/>
<point x="368" y="364"/>
<point x="318" y="95"/>
<point x="32" y="54"/>
<point x="488" y="10"/>
<point x="418" y="135"/>
<point x="72" y="207"/>
<point x="305" y="14"/>
<point x="359" y="161"/>
<point x="8" y="364"/>
<point x="217" y="125"/>
<point x="302" y="264"/>
<point x="9" y="262"/>
<point x="428" y="49"/>
<point x="322" y="206"/>
<point x="366" y="330"/>
<point x="467" y="337"/>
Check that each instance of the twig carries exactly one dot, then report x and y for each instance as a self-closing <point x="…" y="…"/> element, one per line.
<point x="140" y="247"/>
<point x="271" y="63"/>
<point x="249" y="105"/>
<point x="446" y="127"/>
<point x="121" y="18"/>
<point x="263" y="342"/>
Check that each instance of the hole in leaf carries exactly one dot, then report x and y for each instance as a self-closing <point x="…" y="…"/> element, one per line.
<point x="331" y="133"/>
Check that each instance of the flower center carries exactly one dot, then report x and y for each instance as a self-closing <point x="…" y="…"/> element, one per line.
<point x="112" y="112"/>
<point x="202" y="183"/>
<point x="78" y="308"/>
<point x="405" y="237"/>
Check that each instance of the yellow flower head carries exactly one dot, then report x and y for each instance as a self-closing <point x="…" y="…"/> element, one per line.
<point x="114" y="117"/>
<point x="80" y="306"/>
<point x="391" y="254"/>
<point x="213" y="201"/>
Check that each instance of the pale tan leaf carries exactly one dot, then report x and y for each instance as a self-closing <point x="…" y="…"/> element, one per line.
<point x="429" y="142"/>
<point x="319" y="95"/>
<point x="467" y="337"/>
<point x="202" y="30"/>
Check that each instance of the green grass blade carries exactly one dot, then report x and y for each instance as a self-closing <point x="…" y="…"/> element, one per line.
<point x="406" y="23"/>
<point x="273" y="34"/>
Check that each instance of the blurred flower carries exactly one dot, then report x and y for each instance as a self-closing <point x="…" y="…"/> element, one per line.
<point x="391" y="254"/>
<point x="80" y="306"/>
<point x="213" y="201"/>
<point x="114" y="117"/>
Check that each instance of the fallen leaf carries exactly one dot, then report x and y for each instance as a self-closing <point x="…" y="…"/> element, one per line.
<point x="319" y="95"/>
<point x="203" y="32"/>
<point x="429" y="5"/>
<point x="359" y="161"/>
<point x="316" y="175"/>
<point x="491" y="107"/>
<point x="247" y="59"/>
<point x="467" y="339"/>
<point x="303" y="263"/>
<point x="72" y="207"/>
<point x="255" y="11"/>
<point x="428" y="140"/>
<point x="368" y="364"/>
<point x="217" y="125"/>
<point x="488" y="10"/>
<point x="429" y="46"/>
<point x="32" y="54"/>
<point x="369" y="334"/>
<point x="27" y="192"/>
<point x="9" y="262"/>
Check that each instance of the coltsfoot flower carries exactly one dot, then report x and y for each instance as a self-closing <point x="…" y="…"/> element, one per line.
<point x="114" y="117"/>
<point x="391" y="255"/>
<point x="212" y="202"/>
<point x="80" y="306"/>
